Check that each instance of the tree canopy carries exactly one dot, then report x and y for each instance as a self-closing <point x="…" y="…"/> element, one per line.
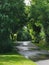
<point x="14" y="15"/>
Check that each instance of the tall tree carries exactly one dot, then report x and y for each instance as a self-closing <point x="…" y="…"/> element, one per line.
<point x="40" y="13"/>
<point x="12" y="15"/>
<point x="12" y="18"/>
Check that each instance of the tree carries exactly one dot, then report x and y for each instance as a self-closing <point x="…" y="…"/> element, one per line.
<point x="40" y="13"/>
<point x="12" y="14"/>
<point x="23" y="35"/>
<point x="12" y="18"/>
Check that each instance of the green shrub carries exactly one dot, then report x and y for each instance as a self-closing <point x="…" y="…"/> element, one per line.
<point x="6" y="46"/>
<point x="23" y="36"/>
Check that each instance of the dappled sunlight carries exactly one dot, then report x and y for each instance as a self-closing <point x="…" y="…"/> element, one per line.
<point x="14" y="60"/>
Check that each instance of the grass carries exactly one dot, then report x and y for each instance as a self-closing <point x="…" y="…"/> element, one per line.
<point x="14" y="59"/>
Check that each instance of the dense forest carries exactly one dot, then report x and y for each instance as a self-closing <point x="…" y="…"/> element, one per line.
<point x="21" y="22"/>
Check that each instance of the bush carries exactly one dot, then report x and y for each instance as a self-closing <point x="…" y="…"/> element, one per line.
<point x="23" y="36"/>
<point x="6" y="46"/>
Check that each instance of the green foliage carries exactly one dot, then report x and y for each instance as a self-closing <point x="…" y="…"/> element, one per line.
<point x="12" y="14"/>
<point x="39" y="11"/>
<point x="6" y="46"/>
<point x="23" y="36"/>
<point x="12" y="18"/>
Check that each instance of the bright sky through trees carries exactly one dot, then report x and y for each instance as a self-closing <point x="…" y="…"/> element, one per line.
<point x="27" y="2"/>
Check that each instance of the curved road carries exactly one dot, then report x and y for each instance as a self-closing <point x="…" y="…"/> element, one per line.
<point x="43" y="62"/>
<point x="30" y="50"/>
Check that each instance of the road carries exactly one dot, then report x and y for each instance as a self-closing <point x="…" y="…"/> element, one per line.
<point x="43" y="62"/>
<point x="29" y="50"/>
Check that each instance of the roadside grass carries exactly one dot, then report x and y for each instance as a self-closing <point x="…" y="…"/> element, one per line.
<point x="14" y="59"/>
